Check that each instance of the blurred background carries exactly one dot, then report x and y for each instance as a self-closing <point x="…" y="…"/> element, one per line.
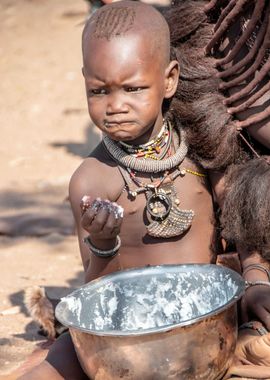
<point x="45" y="132"/>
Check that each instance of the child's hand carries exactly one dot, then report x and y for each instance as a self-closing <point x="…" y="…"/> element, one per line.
<point x="101" y="218"/>
<point x="255" y="304"/>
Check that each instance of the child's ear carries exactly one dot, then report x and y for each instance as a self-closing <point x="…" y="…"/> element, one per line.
<point x="171" y="79"/>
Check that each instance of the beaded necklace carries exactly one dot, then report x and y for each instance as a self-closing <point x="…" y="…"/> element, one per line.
<point x="143" y="186"/>
<point x="166" y="219"/>
<point x="146" y="165"/>
<point x="153" y="148"/>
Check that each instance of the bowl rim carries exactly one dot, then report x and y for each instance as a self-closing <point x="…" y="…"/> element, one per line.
<point x="155" y="269"/>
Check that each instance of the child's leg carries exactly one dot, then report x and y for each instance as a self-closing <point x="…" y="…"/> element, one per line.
<point x="43" y="371"/>
<point x="61" y="363"/>
<point x="62" y="356"/>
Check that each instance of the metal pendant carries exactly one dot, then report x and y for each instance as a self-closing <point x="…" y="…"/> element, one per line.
<point x="159" y="205"/>
<point x="168" y="219"/>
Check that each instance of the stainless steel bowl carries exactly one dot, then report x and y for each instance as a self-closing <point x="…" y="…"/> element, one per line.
<point x="155" y="323"/>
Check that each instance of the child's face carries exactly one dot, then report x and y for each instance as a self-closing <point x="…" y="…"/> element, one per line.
<point x="126" y="83"/>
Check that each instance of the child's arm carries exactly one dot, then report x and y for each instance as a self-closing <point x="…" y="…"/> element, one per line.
<point x="101" y="224"/>
<point x="102" y="219"/>
<point x="217" y="181"/>
<point x="255" y="304"/>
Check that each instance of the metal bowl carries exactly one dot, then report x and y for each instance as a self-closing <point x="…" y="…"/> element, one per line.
<point x="162" y="322"/>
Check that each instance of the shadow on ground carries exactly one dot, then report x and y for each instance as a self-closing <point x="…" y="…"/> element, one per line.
<point x="92" y="138"/>
<point x="35" y="213"/>
<point x="45" y="210"/>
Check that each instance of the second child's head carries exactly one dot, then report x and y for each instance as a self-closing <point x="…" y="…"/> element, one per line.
<point x="127" y="69"/>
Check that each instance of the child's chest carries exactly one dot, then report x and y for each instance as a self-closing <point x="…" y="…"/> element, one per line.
<point x="163" y="207"/>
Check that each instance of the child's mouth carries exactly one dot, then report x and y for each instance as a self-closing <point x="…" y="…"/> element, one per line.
<point x="116" y="124"/>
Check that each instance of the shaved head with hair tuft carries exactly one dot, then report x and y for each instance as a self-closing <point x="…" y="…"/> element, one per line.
<point x="127" y="18"/>
<point x="114" y="22"/>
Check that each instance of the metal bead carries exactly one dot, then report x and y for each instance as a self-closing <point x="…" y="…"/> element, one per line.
<point x="133" y="194"/>
<point x="183" y="172"/>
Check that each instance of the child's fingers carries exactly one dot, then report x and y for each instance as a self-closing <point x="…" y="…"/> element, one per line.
<point x="99" y="221"/>
<point x="118" y="223"/>
<point x="101" y="216"/>
<point x="109" y="218"/>
<point x="87" y="219"/>
<point x="85" y="203"/>
<point x="89" y="212"/>
<point x="113" y="225"/>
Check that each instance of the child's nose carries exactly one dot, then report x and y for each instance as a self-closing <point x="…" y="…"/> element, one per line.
<point x="116" y="103"/>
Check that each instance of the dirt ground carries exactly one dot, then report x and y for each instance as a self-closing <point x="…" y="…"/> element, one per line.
<point x="45" y="131"/>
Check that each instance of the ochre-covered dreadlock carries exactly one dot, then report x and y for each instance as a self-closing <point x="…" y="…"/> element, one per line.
<point x="223" y="49"/>
<point x="253" y="41"/>
<point x="198" y="104"/>
<point x="245" y="215"/>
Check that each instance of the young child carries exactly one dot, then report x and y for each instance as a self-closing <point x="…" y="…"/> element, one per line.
<point x="142" y="163"/>
<point x="138" y="199"/>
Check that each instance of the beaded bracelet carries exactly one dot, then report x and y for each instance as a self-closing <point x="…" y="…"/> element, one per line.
<point x="254" y="283"/>
<point x="254" y="325"/>
<point x="100" y="252"/>
<point x="258" y="267"/>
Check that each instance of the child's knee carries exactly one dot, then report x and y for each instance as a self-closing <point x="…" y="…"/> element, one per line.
<point x="62" y="357"/>
<point x="43" y="371"/>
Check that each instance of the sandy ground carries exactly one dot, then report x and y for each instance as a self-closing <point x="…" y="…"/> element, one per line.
<point x="45" y="131"/>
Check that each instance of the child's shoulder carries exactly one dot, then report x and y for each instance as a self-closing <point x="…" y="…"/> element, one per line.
<point x="99" y="159"/>
<point x="94" y="176"/>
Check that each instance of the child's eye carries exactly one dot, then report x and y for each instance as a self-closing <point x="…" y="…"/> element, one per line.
<point x="97" y="91"/>
<point x="134" y="89"/>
